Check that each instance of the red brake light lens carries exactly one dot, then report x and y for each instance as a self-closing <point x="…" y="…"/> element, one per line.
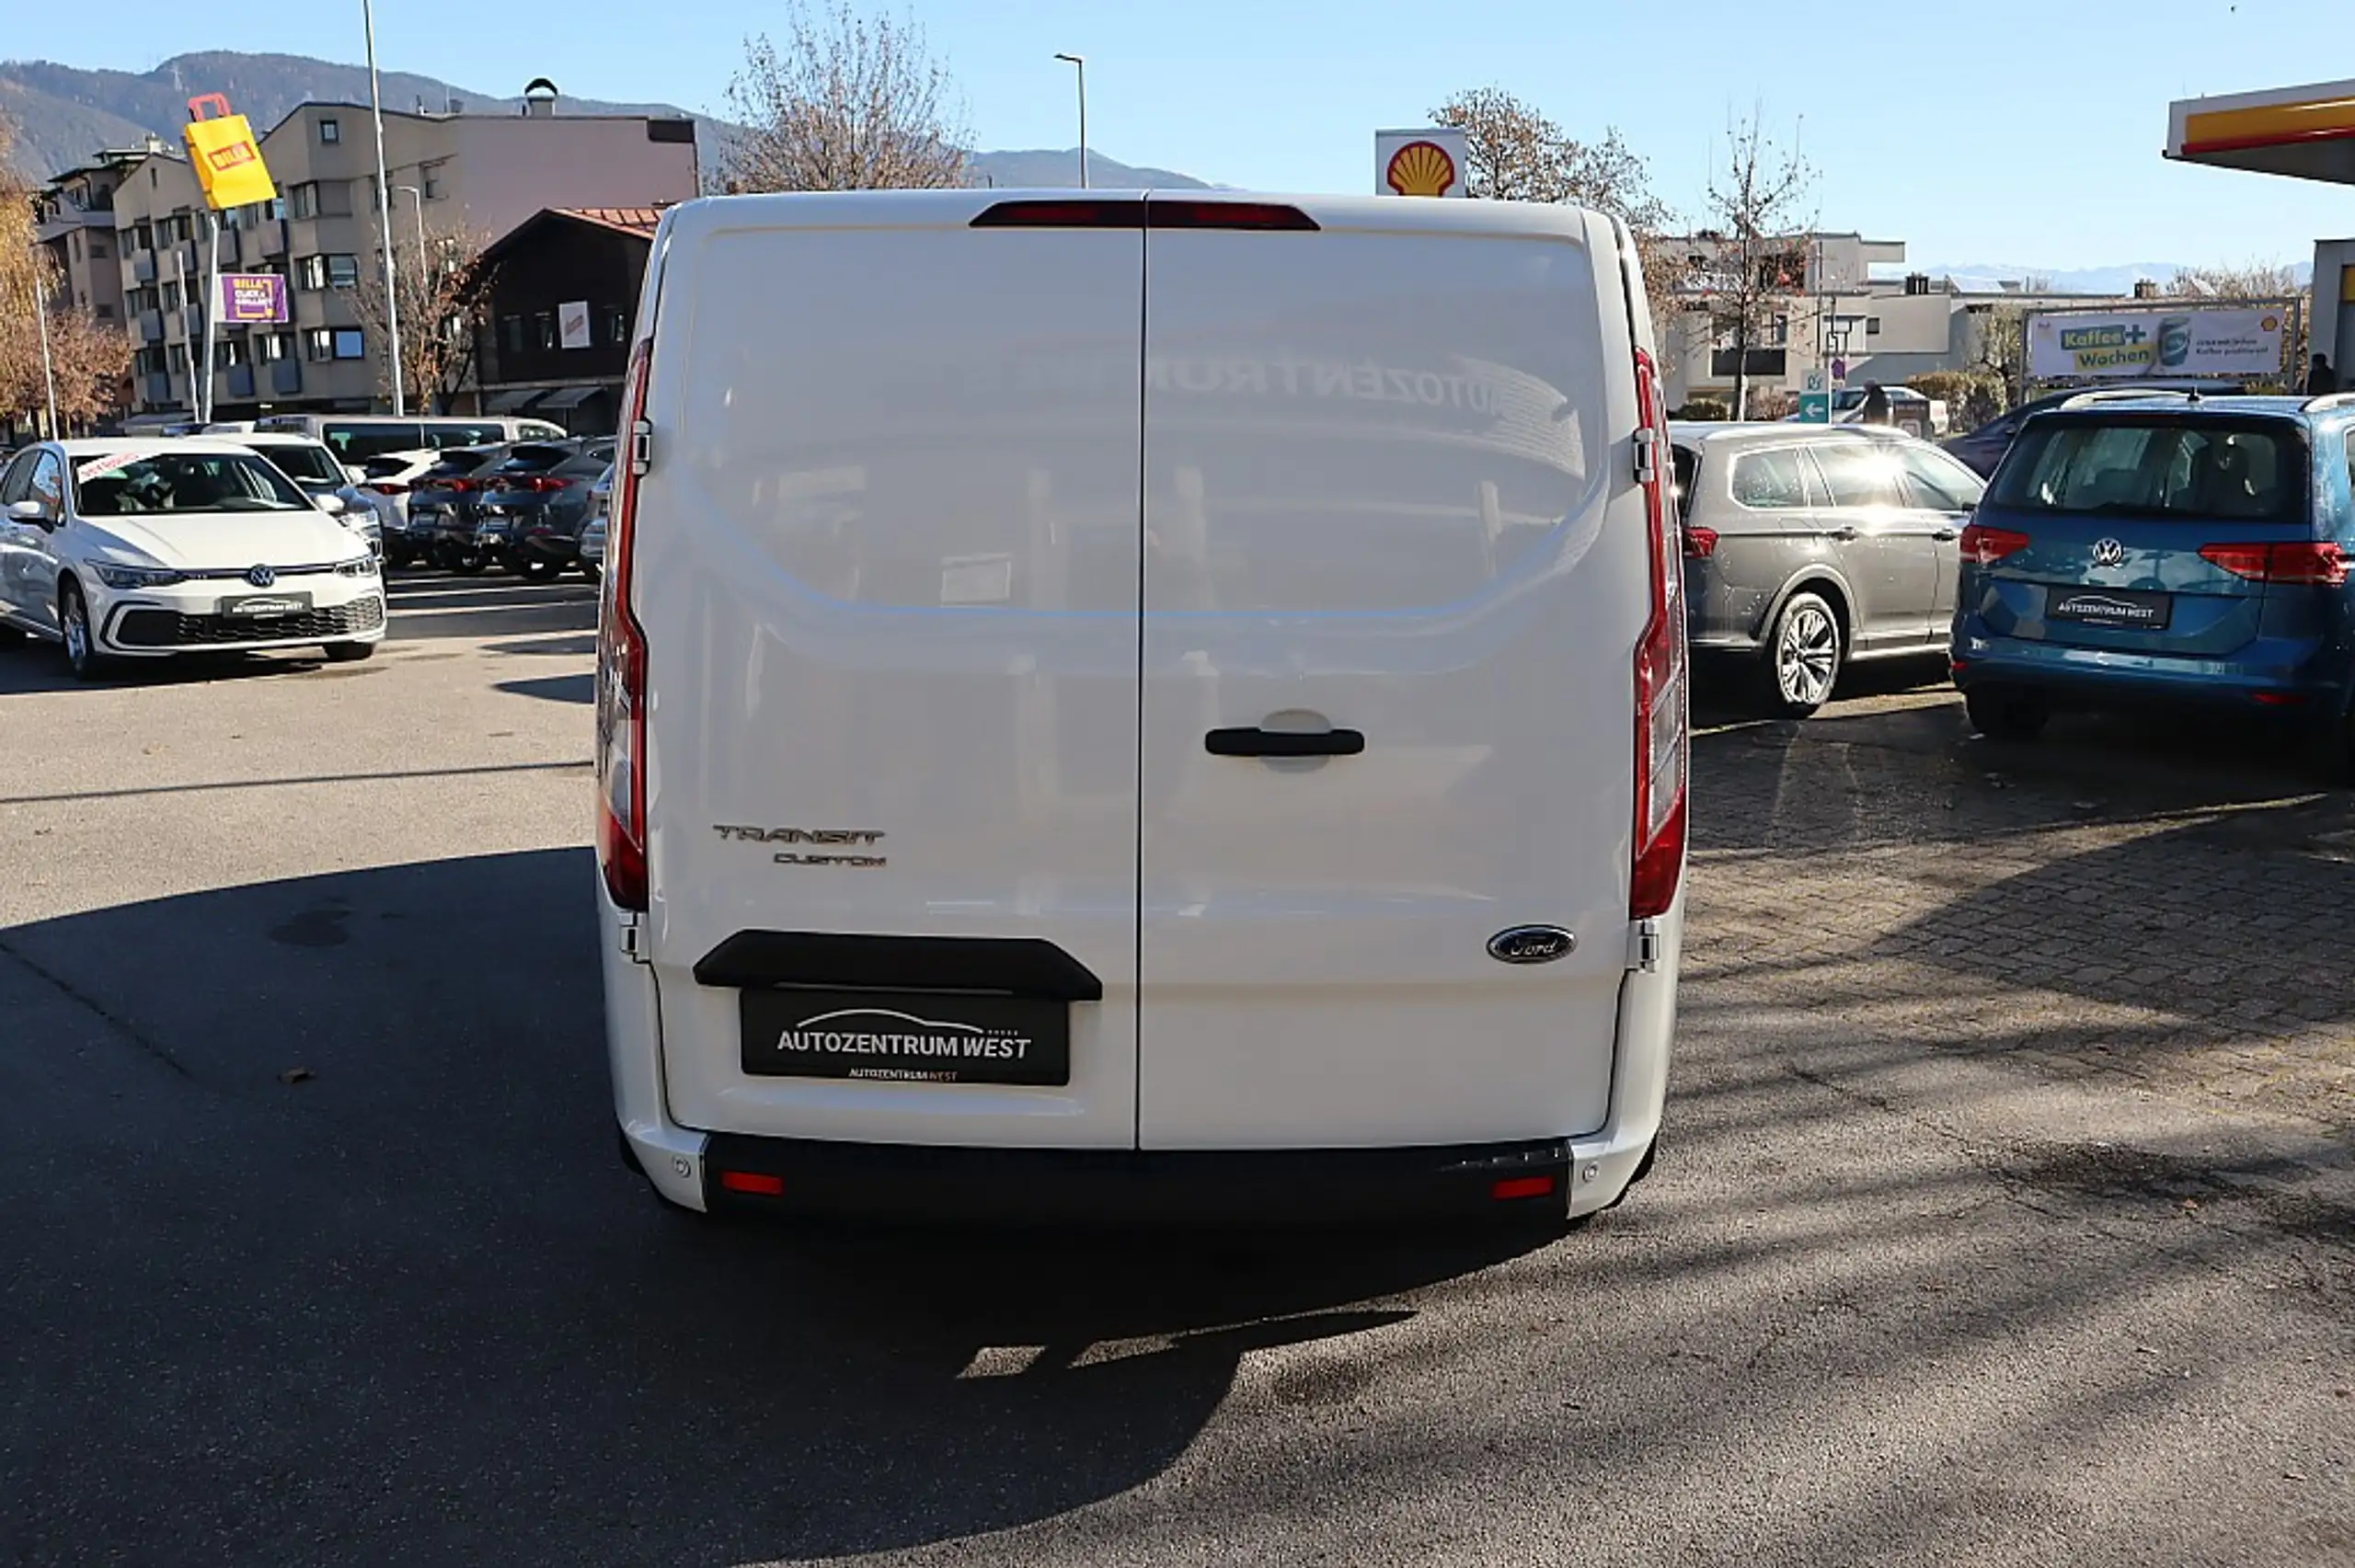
<point x="1700" y="543"/>
<point x="621" y="673"/>
<point x="1985" y="546"/>
<point x="1663" y="733"/>
<point x="2319" y="565"/>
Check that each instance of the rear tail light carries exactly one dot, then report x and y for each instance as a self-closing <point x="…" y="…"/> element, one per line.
<point x="1661" y="733"/>
<point x="2323" y="566"/>
<point x="544" y="482"/>
<point x="1985" y="546"/>
<point x="621" y="674"/>
<point x="386" y="486"/>
<point x="1700" y="543"/>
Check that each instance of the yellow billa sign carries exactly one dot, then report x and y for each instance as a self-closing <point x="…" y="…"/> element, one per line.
<point x="227" y="160"/>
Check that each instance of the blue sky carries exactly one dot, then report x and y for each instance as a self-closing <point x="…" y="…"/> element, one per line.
<point x="1991" y="130"/>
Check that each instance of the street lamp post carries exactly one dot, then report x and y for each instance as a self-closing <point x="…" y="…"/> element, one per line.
<point x="418" y="197"/>
<point x="40" y="317"/>
<point x="384" y="212"/>
<point x="1080" y="64"/>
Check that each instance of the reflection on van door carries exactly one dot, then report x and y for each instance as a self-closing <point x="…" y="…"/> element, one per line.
<point x="1377" y="469"/>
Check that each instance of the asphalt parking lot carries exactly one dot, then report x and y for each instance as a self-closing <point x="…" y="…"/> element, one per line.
<point x="2006" y="1212"/>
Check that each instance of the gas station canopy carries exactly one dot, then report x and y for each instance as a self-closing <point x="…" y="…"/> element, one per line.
<point x="2306" y="133"/>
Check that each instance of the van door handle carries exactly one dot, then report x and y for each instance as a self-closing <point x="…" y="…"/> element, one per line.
<point x="1257" y="742"/>
<point x="1843" y="534"/>
<point x="1944" y="534"/>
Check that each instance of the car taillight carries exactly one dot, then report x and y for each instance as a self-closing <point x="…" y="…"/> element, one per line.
<point x="1700" y="543"/>
<point x="543" y="482"/>
<point x="1661" y="732"/>
<point x="386" y="486"/>
<point x="621" y="673"/>
<point x="2321" y="565"/>
<point x="459" y="484"/>
<point x="1985" y="546"/>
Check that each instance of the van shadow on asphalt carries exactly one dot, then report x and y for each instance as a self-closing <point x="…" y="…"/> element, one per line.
<point x="317" y="1217"/>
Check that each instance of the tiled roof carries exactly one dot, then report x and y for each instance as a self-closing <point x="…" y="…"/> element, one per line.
<point x="628" y="219"/>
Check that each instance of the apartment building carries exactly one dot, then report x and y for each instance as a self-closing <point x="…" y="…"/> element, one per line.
<point x="476" y="174"/>
<point x="73" y="221"/>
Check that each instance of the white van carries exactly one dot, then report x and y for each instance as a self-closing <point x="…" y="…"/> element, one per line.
<point x="1116" y="702"/>
<point x="354" y="437"/>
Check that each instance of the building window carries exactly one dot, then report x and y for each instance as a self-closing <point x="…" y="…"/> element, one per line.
<point x="303" y="201"/>
<point x="1872" y="327"/>
<point x="428" y="180"/>
<point x="544" y="329"/>
<point x="97" y="248"/>
<point x="269" y="347"/>
<point x="329" y="131"/>
<point x="511" y="334"/>
<point x="104" y="310"/>
<point x="616" y="326"/>
<point x="171" y="292"/>
<point x="227" y="353"/>
<point x="350" y="344"/>
<point x="145" y="231"/>
<point x="311" y="274"/>
<point x="343" y="271"/>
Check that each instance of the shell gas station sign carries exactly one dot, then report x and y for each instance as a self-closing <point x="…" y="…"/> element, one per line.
<point x="1430" y="162"/>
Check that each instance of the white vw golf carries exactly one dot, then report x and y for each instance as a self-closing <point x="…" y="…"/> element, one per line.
<point x="146" y="548"/>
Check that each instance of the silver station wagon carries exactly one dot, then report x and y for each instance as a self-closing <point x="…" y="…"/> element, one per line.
<point x="1807" y="549"/>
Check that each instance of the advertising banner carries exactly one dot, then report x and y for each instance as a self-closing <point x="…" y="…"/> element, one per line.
<point x="1432" y="162"/>
<point x="2173" y="340"/>
<point x="252" y="299"/>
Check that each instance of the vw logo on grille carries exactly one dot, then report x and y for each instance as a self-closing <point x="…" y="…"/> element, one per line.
<point x="261" y="576"/>
<point x="2108" y="553"/>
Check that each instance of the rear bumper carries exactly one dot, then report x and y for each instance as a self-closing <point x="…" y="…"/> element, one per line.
<point x="2271" y="675"/>
<point x="1077" y="1186"/>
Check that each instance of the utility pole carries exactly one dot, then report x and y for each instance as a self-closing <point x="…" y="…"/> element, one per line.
<point x="1080" y="64"/>
<point x="385" y="212"/>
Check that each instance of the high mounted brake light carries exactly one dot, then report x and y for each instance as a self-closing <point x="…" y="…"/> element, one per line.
<point x="1115" y="213"/>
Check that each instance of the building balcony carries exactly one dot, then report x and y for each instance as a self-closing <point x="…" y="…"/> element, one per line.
<point x="285" y="378"/>
<point x="270" y="238"/>
<point x="155" y="389"/>
<point x="232" y="247"/>
<point x="237" y="381"/>
<point x="142" y="267"/>
<point x="151" y="325"/>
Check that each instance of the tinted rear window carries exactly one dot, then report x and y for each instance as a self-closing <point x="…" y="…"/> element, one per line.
<point x="2158" y="468"/>
<point x="1770" y="479"/>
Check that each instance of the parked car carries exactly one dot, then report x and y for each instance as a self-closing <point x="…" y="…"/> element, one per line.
<point x="1982" y="449"/>
<point x="127" y="548"/>
<point x="314" y="468"/>
<point x="593" y="531"/>
<point x="2181" y="552"/>
<point x="531" y="514"/>
<point x="1810" y="547"/>
<point x="989" y="865"/>
<point x="441" y="508"/>
<point x="354" y="436"/>
<point x="386" y="482"/>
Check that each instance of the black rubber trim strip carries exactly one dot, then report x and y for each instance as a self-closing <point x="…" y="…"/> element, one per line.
<point x="1256" y="742"/>
<point x="994" y="965"/>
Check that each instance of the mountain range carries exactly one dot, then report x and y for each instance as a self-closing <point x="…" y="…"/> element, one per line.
<point x="64" y="114"/>
<point x="2113" y="280"/>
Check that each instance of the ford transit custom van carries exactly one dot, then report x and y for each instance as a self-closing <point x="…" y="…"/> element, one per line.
<point x="1123" y="703"/>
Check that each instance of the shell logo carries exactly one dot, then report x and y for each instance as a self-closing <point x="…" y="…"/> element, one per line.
<point x="2270" y="324"/>
<point x="1420" y="168"/>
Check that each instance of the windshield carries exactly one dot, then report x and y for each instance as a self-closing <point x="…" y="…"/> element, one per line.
<point x="181" y="483"/>
<point x="303" y="462"/>
<point x="2162" y="468"/>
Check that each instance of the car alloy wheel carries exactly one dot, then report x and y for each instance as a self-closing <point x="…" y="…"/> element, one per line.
<point x="1806" y="656"/>
<point x="73" y="618"/>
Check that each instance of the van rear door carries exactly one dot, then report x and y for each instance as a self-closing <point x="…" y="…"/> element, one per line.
<point x="887" y="558"/>
<point x="1396" y="573"/>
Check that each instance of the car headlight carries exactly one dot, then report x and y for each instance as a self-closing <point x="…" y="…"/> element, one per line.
<point x="363" y="568"/>
<point x="137" y="576"/>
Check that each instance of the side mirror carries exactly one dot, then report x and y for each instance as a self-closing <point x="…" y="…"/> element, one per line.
<point x="331" y="504"/>
<point x="27" y="512"/>
<point x="357" y="475"/>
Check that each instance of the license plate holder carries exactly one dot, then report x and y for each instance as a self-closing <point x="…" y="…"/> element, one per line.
<point x="251" y="605"/>
<point x="2131" y="609"/>
<point x="905" y="1037"/>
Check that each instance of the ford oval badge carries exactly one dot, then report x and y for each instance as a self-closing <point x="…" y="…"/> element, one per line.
<point x="1532" y="944"/>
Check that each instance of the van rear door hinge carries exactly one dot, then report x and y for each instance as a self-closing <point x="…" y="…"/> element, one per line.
<point x="641" y="447"/>
<point x="633" y="940"/>
<point x="1647" y="454"/>
<point x="1645" y="946"/>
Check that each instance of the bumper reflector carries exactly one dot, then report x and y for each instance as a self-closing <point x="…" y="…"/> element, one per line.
<point x="1520" y="1186"/>
<point x="755" y="1182"/>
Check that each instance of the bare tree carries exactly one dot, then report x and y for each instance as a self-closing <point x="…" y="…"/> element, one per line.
<point x="444" y="300"/>
<point x="848" y="103"/>
<point x="1753" y="257"/>
<point x="1519" y="155"/>
<point x="87" y="359"/>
